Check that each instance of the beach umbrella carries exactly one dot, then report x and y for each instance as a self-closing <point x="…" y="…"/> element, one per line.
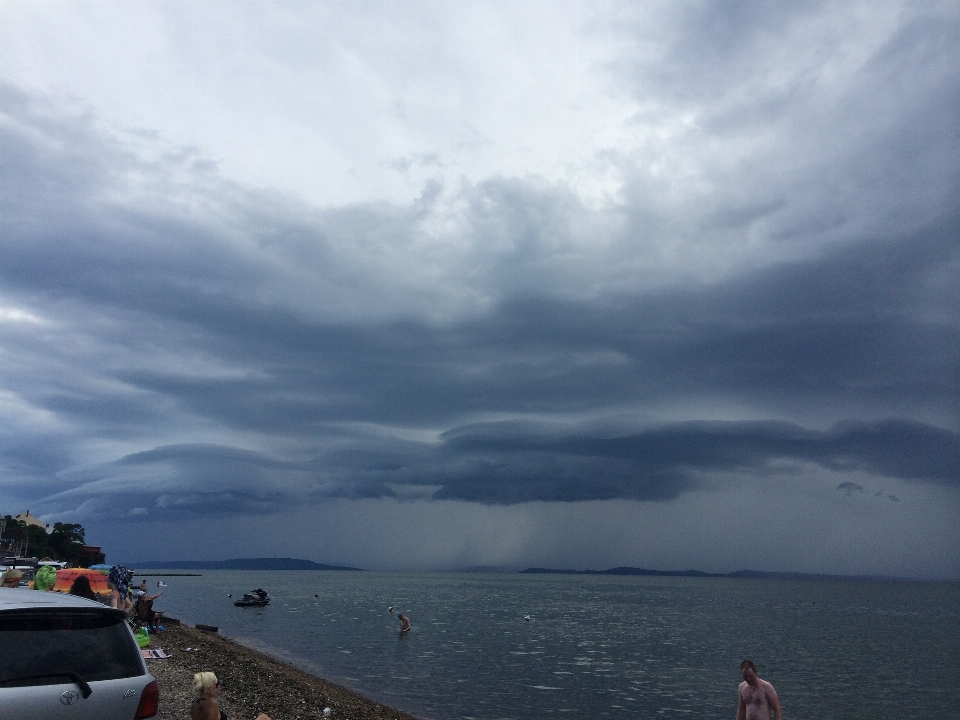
<point x="65" y="578"/>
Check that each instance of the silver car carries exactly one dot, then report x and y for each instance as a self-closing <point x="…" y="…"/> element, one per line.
<point x="62" y="656"/>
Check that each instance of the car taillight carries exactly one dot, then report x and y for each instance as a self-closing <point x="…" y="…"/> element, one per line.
<point x="149" y="702"/>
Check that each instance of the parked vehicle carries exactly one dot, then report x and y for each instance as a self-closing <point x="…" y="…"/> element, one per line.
<point x="57" y="564"/>
<point x="63" y="656"/>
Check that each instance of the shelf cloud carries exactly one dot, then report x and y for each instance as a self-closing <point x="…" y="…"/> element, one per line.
<point x="644" y="256"/>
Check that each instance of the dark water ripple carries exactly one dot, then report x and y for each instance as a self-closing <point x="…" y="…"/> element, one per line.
<point x="615" y="647"/>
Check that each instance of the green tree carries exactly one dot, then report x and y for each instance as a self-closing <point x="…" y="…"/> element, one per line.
<point x="38" y="541"/>
<point x="14" y="529"/>
<point x="67" y="540"/>
<point x="35" y="536"/>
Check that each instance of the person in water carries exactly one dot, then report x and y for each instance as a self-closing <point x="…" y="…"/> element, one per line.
<point x="205" y="705"/>
<point x="404" y="622"/>
<point x="757" y="697"/>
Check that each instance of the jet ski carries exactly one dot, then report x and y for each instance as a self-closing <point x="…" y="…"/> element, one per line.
<point x="254" y="598"/>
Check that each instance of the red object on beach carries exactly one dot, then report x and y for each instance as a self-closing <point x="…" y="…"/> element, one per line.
<point x="65" y="578"/>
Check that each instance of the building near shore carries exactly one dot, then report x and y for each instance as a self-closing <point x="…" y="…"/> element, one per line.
<point x="26" y="517"/>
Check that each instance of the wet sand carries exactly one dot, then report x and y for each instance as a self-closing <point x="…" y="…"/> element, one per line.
<point x="252" y="682"/>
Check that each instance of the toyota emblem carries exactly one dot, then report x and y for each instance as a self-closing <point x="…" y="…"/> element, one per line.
<point x="69" y="697"/>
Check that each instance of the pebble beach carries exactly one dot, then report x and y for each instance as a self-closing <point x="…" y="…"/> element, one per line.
<point x="252" y="682"/>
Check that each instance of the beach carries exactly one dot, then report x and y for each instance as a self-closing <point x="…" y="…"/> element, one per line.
<point x="252" y="682"/>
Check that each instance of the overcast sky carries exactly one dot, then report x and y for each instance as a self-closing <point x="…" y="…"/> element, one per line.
<point x="439" y="284"/>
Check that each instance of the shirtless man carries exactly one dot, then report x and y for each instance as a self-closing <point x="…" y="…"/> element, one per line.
<point x="757" y="697"/>
<point x="404" y="622"/>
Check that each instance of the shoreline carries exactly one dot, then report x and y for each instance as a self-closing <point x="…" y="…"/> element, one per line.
<point x="253" y="682"/>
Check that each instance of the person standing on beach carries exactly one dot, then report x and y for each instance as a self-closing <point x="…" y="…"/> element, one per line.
<point x="757" y="697"/>
<point x="113" y="596"/>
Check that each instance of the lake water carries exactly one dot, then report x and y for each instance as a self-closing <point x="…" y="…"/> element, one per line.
<point x="599" y="646"/>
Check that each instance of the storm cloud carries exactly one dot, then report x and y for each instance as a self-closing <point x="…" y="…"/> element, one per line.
<point x="730" y="258"/>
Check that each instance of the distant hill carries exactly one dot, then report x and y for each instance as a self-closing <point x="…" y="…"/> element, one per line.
<point x="697" y="573"/>
<point x="627" y="571"/>
<point x="238" y="564"/>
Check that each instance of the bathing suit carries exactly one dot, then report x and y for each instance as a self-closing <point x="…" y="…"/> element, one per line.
<point x="223" y="715"/>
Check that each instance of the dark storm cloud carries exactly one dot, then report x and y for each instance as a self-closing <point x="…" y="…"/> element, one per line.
<point x="507" y="463"/>
<point x="152" y="317"/>
<point x="511" y="466"/>
<point x="842" y="328"/>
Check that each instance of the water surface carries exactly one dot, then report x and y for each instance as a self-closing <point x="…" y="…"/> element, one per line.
<point x="599" y="646"/>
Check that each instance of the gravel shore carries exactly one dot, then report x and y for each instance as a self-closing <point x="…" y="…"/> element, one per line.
<point x="252" y="682"/>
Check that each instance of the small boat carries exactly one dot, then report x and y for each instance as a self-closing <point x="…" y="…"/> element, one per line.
<point x="254" y="598"/>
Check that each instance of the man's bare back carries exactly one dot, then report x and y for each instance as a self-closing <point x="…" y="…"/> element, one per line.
<point x="757" y="698"/>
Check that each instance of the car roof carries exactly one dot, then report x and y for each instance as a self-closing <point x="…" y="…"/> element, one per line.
<point x="24" y="599"/>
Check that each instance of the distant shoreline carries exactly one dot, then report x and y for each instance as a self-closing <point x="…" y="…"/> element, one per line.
<point x="273" y="563"/>
<point x="739" y="574"/>
<point x="142" y="574"/>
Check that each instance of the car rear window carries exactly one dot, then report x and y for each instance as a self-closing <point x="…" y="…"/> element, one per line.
<point x="95" y="646"/>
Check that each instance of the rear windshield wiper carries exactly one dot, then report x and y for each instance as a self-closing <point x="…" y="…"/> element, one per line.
<point x="77" y="680"/>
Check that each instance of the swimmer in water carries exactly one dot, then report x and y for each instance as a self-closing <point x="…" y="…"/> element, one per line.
<point x="404" y="622"/>
<point x="390" y="609"/>
<point x="757" y="697"/>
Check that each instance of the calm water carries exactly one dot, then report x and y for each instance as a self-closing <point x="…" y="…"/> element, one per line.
<point x="599" y="646"/>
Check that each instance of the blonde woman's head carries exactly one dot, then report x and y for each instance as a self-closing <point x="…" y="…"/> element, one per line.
<point x="203" y="682"/>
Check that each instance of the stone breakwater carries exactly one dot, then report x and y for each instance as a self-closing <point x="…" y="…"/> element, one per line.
<point x="252" y="682"/>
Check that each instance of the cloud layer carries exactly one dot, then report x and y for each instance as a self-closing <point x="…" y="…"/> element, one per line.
<point x="728" y="253"/>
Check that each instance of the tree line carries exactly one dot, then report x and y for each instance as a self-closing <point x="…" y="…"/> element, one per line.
<point x="64" y="543"/>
